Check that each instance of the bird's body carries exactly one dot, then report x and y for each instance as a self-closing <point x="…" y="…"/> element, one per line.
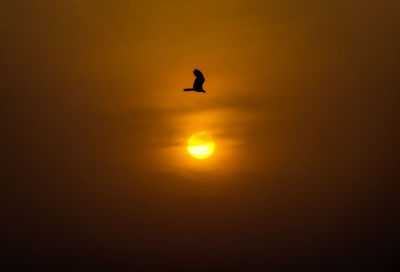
<point x="198" y="82"/>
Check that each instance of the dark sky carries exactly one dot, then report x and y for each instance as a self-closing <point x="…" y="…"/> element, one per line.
<point x="302" y="103"/>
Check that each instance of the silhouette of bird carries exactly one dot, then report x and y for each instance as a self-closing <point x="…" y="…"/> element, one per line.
<point x="198" y="82"/>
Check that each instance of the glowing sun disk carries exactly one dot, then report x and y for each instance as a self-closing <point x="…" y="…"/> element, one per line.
<point x="200" y="145"/>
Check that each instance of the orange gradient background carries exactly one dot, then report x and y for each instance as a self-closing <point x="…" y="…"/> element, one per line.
<point x="302" y="104"/>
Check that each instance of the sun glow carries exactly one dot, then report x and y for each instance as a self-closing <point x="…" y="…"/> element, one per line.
<point x="200" y="145"/>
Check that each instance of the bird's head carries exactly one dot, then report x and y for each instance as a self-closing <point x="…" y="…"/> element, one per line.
<point x="197" y="73"/>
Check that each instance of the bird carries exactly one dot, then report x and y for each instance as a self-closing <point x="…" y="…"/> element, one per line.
<point x="198" y="82"/>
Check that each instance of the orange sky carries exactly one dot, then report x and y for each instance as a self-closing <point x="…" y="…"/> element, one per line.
<point x="302" y="102"/>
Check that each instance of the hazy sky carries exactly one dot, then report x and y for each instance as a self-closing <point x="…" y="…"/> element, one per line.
<point x="302" y="102"/>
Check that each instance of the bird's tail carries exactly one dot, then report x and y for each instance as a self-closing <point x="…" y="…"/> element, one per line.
<point x="190" y="89"/>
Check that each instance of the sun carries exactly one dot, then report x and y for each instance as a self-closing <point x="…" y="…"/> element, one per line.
<point x="200" y="145"/>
